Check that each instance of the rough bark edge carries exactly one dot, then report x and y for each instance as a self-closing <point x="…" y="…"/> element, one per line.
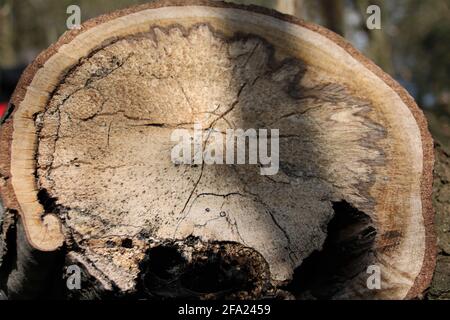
<point x="440" y="286"/>
<point x="423" y="280"/>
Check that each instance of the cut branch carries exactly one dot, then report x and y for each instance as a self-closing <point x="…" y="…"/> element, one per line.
<point x="86" y="162"/>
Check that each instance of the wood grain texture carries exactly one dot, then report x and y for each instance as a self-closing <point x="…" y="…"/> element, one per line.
<point x="350" y="133"/>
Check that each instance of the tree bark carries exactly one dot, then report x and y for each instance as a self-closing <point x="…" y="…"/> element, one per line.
<point x="440" y="287"/>
<point x="87" y="176"/>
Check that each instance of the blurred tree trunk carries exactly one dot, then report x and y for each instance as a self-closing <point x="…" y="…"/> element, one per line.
<point x="333" y="14"/>
<point x="286" y="6"/>
<point x="379" y="48"/>
<point x="7" y="57"/>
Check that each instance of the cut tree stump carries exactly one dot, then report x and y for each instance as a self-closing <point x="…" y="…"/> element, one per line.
<point x="87" y="177"/>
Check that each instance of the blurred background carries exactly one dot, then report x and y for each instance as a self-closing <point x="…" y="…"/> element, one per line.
<point x="413" y="44"/>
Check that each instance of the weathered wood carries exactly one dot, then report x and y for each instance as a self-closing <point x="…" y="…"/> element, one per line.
<point x="87" y="161"/>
